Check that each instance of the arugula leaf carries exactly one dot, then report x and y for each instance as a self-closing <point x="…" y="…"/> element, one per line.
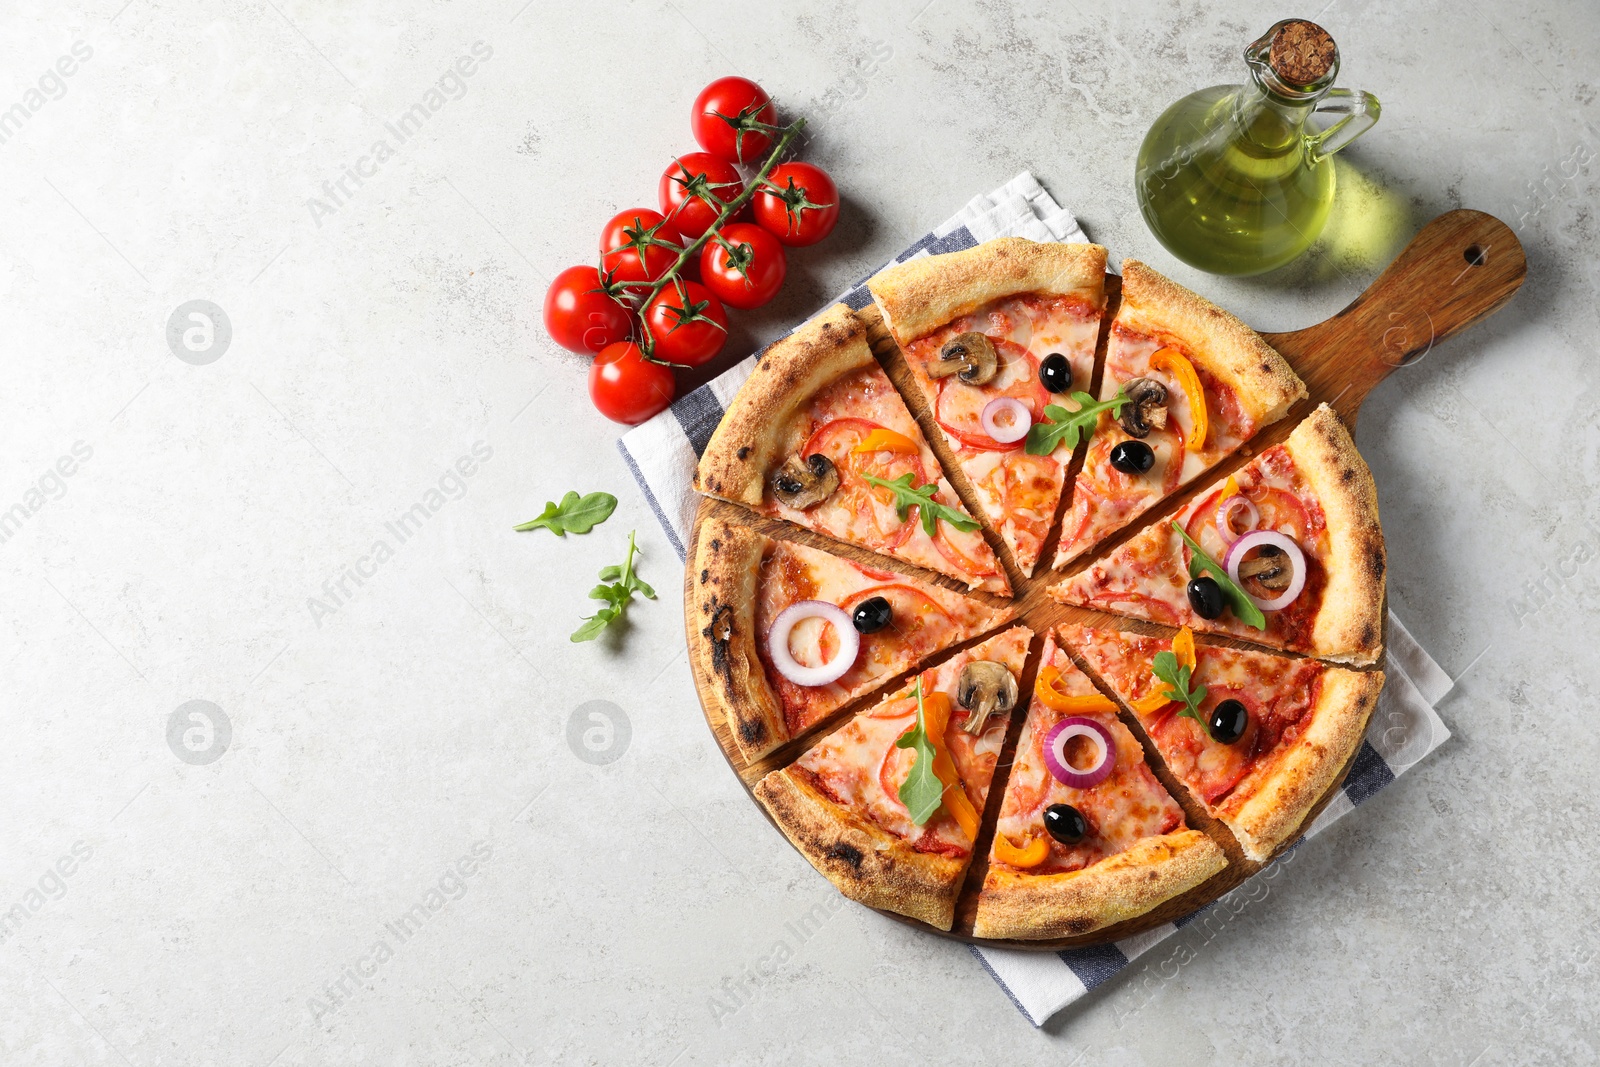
<point x="921" y="498"/>
<point x="574" y="513"/>
<point x="1167" y="668"/>
<point x="921" y="792"/>
<point x="1244" y="609"/>
<point x="618" y="584"/>
<point x="1070" y="425"/>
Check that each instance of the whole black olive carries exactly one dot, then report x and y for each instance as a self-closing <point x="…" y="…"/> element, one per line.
<point x="872" y="615"/>
<point x="1065" y="823"/>
<point x="1055" y="373"/>
<point x="1133" y="457"/>
<point x="1228" y="721"/>
<point x="1205" y="597"/>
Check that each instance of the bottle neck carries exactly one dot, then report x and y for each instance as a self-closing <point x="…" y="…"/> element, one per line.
<point x="1268" y="122"/>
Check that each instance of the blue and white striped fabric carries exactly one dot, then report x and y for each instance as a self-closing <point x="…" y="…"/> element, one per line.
<point x="662" y="454"/>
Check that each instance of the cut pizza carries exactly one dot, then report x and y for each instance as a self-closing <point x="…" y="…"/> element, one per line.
<point x="998" y="337"/>
<point x="819" y="437"/>
<point x="1256" y="737"/>
<point x="788" y="634"/>
<point x="887" y="806"/>
<point x="1194" y="382"/>
<point x="1287" y="552"/>
<point x="1086" y="836"/>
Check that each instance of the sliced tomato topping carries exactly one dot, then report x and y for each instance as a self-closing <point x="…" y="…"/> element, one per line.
<point x="1126" y="601"/>
<point x="918" y="618"/>
<point x="1208" y="767"/>
<point x="958" y="407"/>
<point x="837" y="439"/>
<point x="944" y="541"/>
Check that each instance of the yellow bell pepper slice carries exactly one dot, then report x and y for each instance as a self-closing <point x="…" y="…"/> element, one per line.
<point x="1068" y="704"/>
<point x="881" y="440"/>
<point x="1183" y="648"/>
<point x="936" y="717"/>
<point x="1030" y="855"/>
<point x="1178" y="365"/>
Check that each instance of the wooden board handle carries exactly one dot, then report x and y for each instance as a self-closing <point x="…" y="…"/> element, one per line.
<point x="1461" y="267"/>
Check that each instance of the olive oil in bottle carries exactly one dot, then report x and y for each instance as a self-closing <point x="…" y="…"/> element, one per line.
<point x="1231" y="179"/>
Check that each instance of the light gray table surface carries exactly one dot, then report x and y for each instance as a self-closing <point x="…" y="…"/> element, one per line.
<point x="632" y="912"/>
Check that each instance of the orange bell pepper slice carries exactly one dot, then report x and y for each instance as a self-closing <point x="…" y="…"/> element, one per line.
<point x="1183" y="648"/>
<point x="936" y="717"/>
<point x="1229" y="488"/>
<point x="1068" y="704"/>
<point x="1178" y="365"/>
<point x="1030" y="855"/>
<point x="881" y="440"/>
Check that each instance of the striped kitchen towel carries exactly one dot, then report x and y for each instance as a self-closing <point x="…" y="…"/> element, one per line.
<point x="662" y="454"/>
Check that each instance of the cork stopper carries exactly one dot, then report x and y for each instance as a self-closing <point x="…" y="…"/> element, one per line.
<point x="1302" y="52"/>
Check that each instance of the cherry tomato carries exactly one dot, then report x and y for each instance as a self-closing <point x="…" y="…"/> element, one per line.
<point x="722" y="116"/>
<point x="687" y="183"/>
<point x="749" y="276"/>
<point x="687" y="324"/>
<point x="638" y="245"/>
<point x="625" y="387"/>
<point x="798" y="204"/>
<point x="580" y="316"/>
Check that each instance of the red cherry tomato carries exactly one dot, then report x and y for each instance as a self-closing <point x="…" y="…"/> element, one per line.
<point x="722" y="116"/>
<point x="687" y="183"/>
<point x="749" y="276"/>
<point x="798" y="204"/>
<point x="580" y="316"/>
<point x="687" y="324"/>
<point x="625" y="387"/>
<point x="638" y="245"/>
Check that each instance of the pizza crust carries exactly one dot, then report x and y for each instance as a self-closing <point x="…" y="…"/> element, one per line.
<point x="864" y="861"/>
<point x="1119" y="887"/>
<point x="922" y="295"/>
<point x="1279" y="795"/>
<point x="1154" y="305"/>
<point x="751" y="439"/>
<point x="722" y="637"/>
<point x="1349" y="624"/>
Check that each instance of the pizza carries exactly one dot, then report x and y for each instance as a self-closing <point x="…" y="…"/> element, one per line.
<point x="1086" y="835"/>
<point x="818" y="436"/>
<point x="1295" y="531"/>
<point x="840" y="803"/>
<point x="792" y="634"/>
<point x="994" y="335"/>
<point x="1265" y="737"/>
<point x="1199" y="384"/>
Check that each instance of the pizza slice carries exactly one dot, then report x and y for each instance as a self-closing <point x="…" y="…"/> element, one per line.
<point x="887" y="806"/>
<point x="786" y="634"/>
<point x="1291" y="554"/>
<point x="1086" y="837"/>
<point x="995" y="335"/>
<point x="819" y="437"/>
<point x="1198" y="384"/>
<point x="1256" y="737"/>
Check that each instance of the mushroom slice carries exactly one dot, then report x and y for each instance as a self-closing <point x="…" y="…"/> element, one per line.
<point x="805" y="483"/>
<point x="984" y="688"/>
<point x="1270" y="570"/>
<point x="1146" y="407"/>
<point x="971" y="356"/>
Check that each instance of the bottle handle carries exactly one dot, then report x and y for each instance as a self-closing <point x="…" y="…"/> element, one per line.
<point x="1360" y="111"/>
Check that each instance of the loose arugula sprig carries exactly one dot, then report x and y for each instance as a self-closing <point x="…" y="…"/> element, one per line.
<point x="1167" y="668"/>
<point x="574" y="513"/>
<point x="1070" y="425"/>
<point x="922" y="792"/>
<point x="921" y="497"/>
<point x="618" y="584"/>
<point x="1244" y="609"/>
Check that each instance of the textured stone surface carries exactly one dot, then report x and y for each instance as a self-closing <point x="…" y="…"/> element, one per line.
<point x="376" y="744"/>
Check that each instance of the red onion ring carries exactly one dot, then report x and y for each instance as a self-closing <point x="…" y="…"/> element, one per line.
<point x="1256" y="539"/>
<point x="1225" y="512"/>
<point x="1055" y="752"/>
<point x="1006" y="433"/>
<point x="793" y="669"/>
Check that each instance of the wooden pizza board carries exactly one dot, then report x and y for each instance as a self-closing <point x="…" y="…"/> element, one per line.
<point x="1462" y="267"/>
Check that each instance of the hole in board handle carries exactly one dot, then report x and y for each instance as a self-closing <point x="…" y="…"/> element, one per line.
<point x="1475" y="255"/>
